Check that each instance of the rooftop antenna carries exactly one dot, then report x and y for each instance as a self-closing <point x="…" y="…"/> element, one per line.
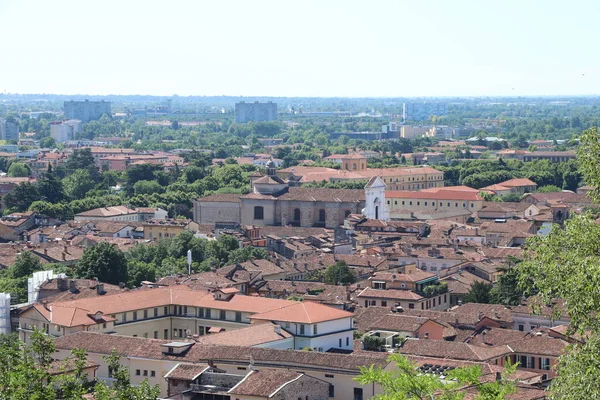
<point x="189" y="261"/>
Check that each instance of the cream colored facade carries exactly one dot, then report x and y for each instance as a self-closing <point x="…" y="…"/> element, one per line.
<point x="409" y="132"/>
<point x="32" y="320"/>
<point x="411" y="178"/>
<point x="403" y="202"/>
<point x="166" y="230"/>
<point x="155" y="369"/>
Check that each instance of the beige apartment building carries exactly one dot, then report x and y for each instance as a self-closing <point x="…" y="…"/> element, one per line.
<point x="404" y="289"/>
<point x="395" y="178"/>
<point x="154" y="359"/>
<point x="177" y="313"/>
<point x="444" y="199"/>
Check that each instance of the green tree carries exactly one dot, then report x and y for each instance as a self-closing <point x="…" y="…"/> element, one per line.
<point x="139" y="271"/>
<point x="50" y="187"/>
<point x="339" y="273"/>
<point x="103" y="261"/>
<point x="78" y="184"/>
<point x="48" y="143"/>
<point x="26" y="263"/>
<point x="406" y="382"/>
<point x="511" y="197"/>
<point x="565" y="265"/>
<point x="507" y="291"/>
<point x="21" y="197"/>
<point x="82" y="159"/>
<point x="18" y="169"/>
<point x="549" y="189"/>
<point x="479" y="293"/>
<point x="25" y="370"/>
<point x="147" y="187"/>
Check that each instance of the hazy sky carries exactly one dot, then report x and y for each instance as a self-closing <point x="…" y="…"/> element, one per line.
<point x="300" y="48"/>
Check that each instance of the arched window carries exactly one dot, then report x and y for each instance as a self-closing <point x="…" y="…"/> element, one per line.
<point x="354" y="166"/>
<point x="321" y="215"/>
<point x="296" y="214"/>
<point x="259" y="212"/>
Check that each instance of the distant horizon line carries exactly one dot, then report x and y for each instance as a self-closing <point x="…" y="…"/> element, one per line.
<point x="311" y="97"/>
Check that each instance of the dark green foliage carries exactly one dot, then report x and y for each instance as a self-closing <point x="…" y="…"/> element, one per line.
<point x="339" y="273"/>
<point x="25" y="264"/>
<point x="373" y="343"/>
<point x="82" y="159"/>
<point x="105" y="262"/>
<point x="21" y="197"/>
<point x="19" y="169"/>
<point x="479" y="293"/>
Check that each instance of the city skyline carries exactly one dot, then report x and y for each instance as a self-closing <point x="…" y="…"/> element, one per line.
<point x="266" y="48"/>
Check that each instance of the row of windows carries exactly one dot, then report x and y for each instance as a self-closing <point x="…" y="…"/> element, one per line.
<point x="145" y="373"/>
<point x="259" y="213"/>
<point x="529" y="362"/>
<point x="183" y="311"/>
<point x="413" y="179"/>
<point x="160" y="235"/>
<point x="424" y="306"/>
<point x="433" y="203"/>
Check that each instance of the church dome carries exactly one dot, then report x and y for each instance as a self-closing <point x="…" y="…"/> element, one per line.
<point x="270" y="164"/>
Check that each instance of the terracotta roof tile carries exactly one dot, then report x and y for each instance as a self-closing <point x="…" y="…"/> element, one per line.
<point x="264" y="382"/>
<point x="306" y="312"/>
<point x="151" y="348"/>
<point x="254" y="335"/>
<point x="395" y="294"/>
<point x="186" y="372"/>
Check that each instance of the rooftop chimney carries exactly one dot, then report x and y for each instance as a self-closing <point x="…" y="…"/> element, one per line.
<point x="100" y="288"/>
<point x="62" y="284"/>
<point x="73" y="286"/>
<point x="484" y="337"/>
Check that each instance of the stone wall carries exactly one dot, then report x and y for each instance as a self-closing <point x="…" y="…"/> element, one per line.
<point x="305" y="387"/>
<point x="211" y="212"/>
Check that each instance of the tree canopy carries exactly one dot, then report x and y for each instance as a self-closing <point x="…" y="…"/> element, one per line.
<point x="105" y="262"/>
<point x="339" y="273"/>
<point x="406" y="382"/>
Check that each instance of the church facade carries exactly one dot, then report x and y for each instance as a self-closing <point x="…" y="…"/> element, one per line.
<point x="273" y="202"/>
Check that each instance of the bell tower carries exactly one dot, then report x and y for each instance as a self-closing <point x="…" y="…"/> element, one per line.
<point x="375" y="204"/>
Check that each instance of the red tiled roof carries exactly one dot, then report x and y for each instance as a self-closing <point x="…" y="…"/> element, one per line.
<point x="438" y="195"/>
<point x="395" y="294"/>
<point x="305" y="312"/>
<point x="518" y="182"/>
<point x="264" y="383"/>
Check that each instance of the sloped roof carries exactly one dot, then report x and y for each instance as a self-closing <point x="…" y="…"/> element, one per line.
<point x="253" y="335"/>
<point x="152" y="349"/>
<point x="395" y="294"/>
<point x="305" y="312"/>
<point x="518" y="182"/>
<point x="437" y="195"/>
<point x="265" y="382"/>
<point x="107" y="212"/>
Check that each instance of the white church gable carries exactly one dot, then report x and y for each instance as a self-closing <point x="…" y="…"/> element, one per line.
<point x="375" y="203"/>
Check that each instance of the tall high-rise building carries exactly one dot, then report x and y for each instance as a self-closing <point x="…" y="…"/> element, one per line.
<point x="421" y="111"/>
<point x="86" y="110"/>
<point x="256" y="112"/>
<point x="9" y="129"/>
